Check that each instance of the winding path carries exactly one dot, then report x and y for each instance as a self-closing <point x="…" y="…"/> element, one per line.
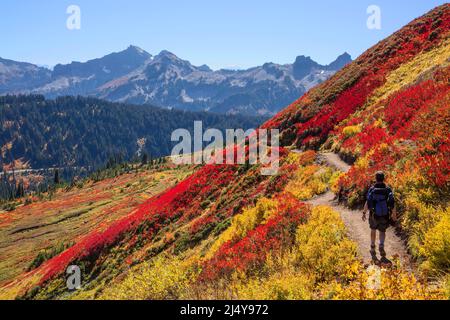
<point x="358" y="230"/>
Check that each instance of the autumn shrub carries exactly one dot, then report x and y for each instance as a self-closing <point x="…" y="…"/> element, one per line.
<point x="436" y="245"/>
<point x="164" y="278"/>
<point x="322" y="247"/>
<point x="306" y="158"/>
<point x="243" y="223"/>
<point x="350" y="131"/>
<point x="249" y="253"/>
<point x="47" y="254"/>
<point x="283" y="286"/>
<point x="419" y="218"/>
<point x="308" y="181"/>
<point x="334" y="181"/>
<point x="392" y="284"/>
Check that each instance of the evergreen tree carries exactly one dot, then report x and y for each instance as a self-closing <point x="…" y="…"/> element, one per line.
<point x="144" y="159"/>
<point x="92" y="130"/>
<point x="56" y="179"/>
<point x="20" y="190"/>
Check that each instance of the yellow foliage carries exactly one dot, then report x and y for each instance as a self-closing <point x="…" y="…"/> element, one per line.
<point x="309" y="181"/>
<point x="245" y="222"/>
<point x="408" y="72"/>
<point x="292" y="286"/>
<point x="383" y="148"/>
<point x="363" y="162"/>
<point x="383" y="284"/>
<point x="322" y="247"/>
<point x="165" y="278"/>
<point x="436" y="247"/>
<point x="334" y="181"/>
<point x="420" y="218"/>
<point x="351" y="131"/>
<point x="292" y="158"/>
<point x="378" y="123"/>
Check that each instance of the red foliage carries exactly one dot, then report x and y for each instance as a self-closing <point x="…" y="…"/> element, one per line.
<point x="371" y="137"/>
<point x="360" y="179"/>
<point x="251" y="251"/>
<point x="417" y="119"/>
<point x="437" y="165"/>
<point x="346" y="104"/>
<point x="325" y="106"/>
<point x="403" y="106"/>
<point x="199" y="224"/>
<point x="155" y="212"/>
<point x="182" y="202"/>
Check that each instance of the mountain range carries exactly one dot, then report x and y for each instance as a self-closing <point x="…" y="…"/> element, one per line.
<point x="135" y="76"/>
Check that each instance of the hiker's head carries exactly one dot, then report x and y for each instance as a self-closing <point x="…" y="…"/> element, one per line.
<point x="379" y="176"/>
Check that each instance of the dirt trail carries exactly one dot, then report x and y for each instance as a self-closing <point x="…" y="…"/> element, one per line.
<point x="357" y="228"/>
<point x="333" y="160"/>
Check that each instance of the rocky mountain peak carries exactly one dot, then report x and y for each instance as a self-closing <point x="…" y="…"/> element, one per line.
<point x="340" y="61"/>
<point x="136" y="49"/>
<point x="303" y="66"/>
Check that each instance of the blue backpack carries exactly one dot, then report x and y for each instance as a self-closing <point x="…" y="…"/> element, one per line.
<point x="380" y="200"/>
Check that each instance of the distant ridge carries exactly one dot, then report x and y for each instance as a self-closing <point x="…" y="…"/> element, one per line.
<point x="135" y="76"/>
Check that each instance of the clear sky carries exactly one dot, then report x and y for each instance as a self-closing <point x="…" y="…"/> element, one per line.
<point x="220" y="33"/>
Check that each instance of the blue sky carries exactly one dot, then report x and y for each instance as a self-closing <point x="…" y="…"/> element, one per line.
<point x="222" y="34"/>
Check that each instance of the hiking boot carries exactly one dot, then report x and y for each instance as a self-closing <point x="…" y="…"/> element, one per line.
<point x="373" y="253"/>
<point x="382" y="252"/>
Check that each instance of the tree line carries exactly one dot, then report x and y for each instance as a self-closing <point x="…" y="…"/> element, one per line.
<point x="86" y="132"/>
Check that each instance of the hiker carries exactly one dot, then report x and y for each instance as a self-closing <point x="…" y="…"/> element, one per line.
<point x="381" y="206"/>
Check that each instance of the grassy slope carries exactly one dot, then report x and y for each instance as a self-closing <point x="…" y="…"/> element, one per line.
<point x="389" y="110"/>
<point x="68" y="216"/>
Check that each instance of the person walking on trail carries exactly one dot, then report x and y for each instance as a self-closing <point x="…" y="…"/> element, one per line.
<point x="381" y="207"/>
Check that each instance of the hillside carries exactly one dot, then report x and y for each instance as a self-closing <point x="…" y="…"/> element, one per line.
<point x="135" y="76"/>
<point x="389" y="110"/>
<point x="227" y="232"/>
<point x="77" y="131"/>
<point x="45" y="225"/>
<point x="15" y="76"/>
